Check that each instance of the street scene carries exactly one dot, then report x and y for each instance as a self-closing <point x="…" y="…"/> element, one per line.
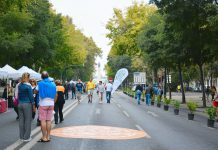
<point x="108" y="75"/>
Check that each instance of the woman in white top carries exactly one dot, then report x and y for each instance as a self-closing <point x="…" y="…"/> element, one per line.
<point x="100" y="91"/>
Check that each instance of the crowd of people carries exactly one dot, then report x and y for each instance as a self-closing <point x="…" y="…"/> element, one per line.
<point x="149" y="93"/>
<point x="47" y="98"/>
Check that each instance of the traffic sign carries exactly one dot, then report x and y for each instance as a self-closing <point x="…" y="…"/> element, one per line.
<point x="139" y="77"/>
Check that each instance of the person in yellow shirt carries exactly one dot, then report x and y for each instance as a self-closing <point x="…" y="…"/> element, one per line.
<point x="90" y="86"/>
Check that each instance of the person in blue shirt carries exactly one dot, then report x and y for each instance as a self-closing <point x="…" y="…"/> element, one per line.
<point x="26" y="107"/>
<point x="79" y="89"/>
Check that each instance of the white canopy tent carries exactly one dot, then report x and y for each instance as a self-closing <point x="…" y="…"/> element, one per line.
<point x="9" y="72"/>
<point x="33" y="74"/>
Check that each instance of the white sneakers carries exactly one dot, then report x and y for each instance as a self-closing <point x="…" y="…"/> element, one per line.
<point x="27" y="140"/>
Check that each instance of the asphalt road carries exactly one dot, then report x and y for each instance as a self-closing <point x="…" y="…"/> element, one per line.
<point x="166" y="131"/>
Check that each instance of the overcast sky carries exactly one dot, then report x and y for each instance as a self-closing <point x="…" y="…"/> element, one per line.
<point x="91" y="17"/>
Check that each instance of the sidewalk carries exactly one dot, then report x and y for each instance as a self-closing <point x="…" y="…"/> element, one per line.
<point x="9" y="127"/>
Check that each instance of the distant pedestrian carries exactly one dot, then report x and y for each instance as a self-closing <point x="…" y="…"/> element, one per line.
<point x="213" y="91"/>
<point x="59" y="104"/>
<point x="138" y="90"/>
<point x="178" y="88"/>
<point x="66" y="86"/>
<point x="79" y="90"/>
<point x="73" y="89"/>
<point x="207" y="92"/>
<point x="148" y="94"/>
<point x="160" y="92"/>
<point x="109" y="88"/>
<point x="25" y="107"/>
<point x="90" y="88"/>
<point x="47" y="96"/>
<point x="100" y="91"/>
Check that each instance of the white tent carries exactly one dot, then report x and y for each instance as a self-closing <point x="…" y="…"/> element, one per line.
<point x="3" y="74"/>
<point x="10" y="72"/>
<point x="33" y="74"/>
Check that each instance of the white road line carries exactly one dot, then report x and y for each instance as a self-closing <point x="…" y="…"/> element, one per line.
<point x="139" y="128"/>
<point x="152" y="113"/>
<point x="98" y="111"/>
<point x="119" y="105"/>
<point x="38" y="136"/>
<point x="37" y="129"/>
<point x="126" y="113"/>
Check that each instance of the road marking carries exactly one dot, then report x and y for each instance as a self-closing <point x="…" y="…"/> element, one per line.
<point x="98" y="111"/>
<point x="126" y="113"/>
<point x="37" y="129"/>
<point x="119" y="105"/>
<point x="139" y="128"/>
<point x="152" y="113"/>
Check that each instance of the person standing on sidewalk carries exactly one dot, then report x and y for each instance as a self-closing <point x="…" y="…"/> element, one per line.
<point x="90" y="88"/>
<point x="109" y="88"/>
<point x="100" y="91"/>
<point x="139" y="90"/>
<point x="79" y="90"/>
<point x="47" y="97"/>
<point x="25" y="107"/>
<point x="59" y="104"/>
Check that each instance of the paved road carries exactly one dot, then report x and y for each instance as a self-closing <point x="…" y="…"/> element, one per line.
<point x="166" y="131"/>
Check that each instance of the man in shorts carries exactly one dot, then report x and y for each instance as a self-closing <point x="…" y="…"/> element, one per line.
<point x="79" y="90"/>
<point x="90" y="88"/>
<point x="47" y="96"/>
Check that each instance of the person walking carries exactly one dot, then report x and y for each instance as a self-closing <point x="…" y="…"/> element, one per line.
<point x="25" y="107"/>
<point x="66" y="87"/>
<point x="213" y="91"/>
<point x="47" y="97"/>
<point x="59" y="104"/>
<point x="109" y="88"/>
<point x="79" y="90"/>
<point x="73" y="89"/>
<point x="148" y="94"/>
<point x="100" y="91"/>
<point x="90" y="88"/>
<point x="139" y="90"/>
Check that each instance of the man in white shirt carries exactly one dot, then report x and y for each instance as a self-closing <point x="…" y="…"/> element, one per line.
<point x="109" y="88"/>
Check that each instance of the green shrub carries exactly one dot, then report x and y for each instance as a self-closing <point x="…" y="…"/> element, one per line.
<point x="158" y="99"/>
<point x="176" y="104"/>
<point x="192" y="106"/>
<point x="167" y="101"/>
<point x="211" y="113"/>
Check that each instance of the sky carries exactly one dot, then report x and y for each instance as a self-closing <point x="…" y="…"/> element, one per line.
<point x="91" y="17"/>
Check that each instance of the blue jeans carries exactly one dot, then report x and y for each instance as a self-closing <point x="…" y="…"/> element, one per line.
<point x="138" y="96"/>
<point x="108" y="96"/>
<point x="148" y="99"/>
<point x="73" y="94"/>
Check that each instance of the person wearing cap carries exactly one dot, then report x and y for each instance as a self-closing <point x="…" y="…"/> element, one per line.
<point x="47" y="96"/>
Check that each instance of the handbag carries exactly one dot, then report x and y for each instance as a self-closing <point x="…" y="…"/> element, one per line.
<point x="15" y="102"/>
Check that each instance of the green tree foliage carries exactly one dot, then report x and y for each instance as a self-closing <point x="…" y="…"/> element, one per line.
<point x="33" y="34"/>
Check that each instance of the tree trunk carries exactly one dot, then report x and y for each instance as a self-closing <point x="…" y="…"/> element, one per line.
<point x="211" y="79"/>
<point x="181" y="83"/>
<point x="165" y="82"/>
<point x="169" y="84"/>
<point x="202" y="84"/>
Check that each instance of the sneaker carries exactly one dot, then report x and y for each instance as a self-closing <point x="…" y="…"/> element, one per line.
<point x="28" y="140"/>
